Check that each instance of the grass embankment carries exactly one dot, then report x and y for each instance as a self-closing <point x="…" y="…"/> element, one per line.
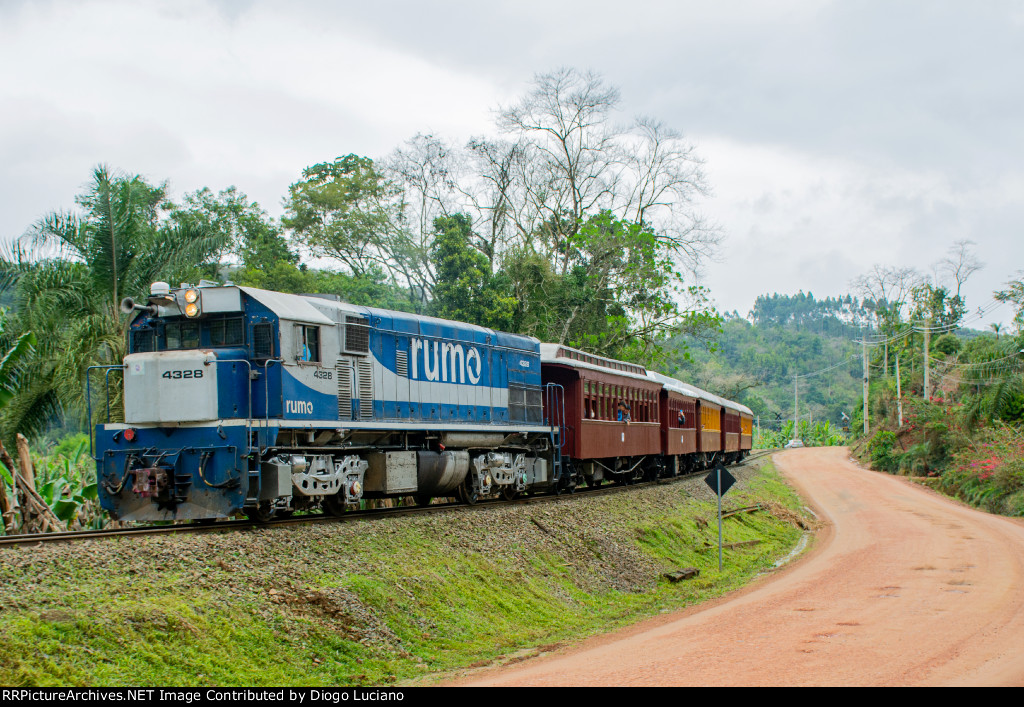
<point x="396" y="600"/>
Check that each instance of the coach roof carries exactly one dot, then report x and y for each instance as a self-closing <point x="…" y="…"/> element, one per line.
<point x="568" y="356"/>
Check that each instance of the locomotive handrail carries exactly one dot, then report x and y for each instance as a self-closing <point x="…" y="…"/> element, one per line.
<point x="266" y="394"/>
<point x="556" y="406"/>
<point x="266" y="384"/>
<point x="88" y="401"/>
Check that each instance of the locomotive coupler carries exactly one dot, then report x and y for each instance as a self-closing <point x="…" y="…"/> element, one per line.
<point x="150" y="482"/>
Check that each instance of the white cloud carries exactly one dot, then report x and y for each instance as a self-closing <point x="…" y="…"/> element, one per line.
<point x="796" y="221"/>
<point x="192" y="95"/>
<point x="838" y="135"/>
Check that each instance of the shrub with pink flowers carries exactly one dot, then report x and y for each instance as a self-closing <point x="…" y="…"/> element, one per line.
<point x="989" y="472"/>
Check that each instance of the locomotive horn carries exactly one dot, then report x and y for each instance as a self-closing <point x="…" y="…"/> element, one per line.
<point x="128" y="305"/>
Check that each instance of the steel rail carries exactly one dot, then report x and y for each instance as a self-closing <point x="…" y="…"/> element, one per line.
<point x="37" y="539"/>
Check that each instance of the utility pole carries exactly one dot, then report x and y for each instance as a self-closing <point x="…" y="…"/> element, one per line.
<point x="899" y="393"/>
<point x="864" y="356"/>
<point x="796" y="409"/>
<point x="927" y="336"/>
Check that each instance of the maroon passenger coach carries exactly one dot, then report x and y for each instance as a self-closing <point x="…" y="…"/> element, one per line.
<point x="603" y="444"/>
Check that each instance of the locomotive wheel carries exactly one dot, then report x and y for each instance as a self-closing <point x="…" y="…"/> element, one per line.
<point x="467" y="495"/>
<point x="423" y="499"/>
<point x="508" y="492"/>
<point x="263" y="513"/>
<point x="334" y="505"/>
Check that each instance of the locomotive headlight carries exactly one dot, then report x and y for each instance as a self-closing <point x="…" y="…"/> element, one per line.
<point x="191" y="296"/>
<point x="192" y="310"/>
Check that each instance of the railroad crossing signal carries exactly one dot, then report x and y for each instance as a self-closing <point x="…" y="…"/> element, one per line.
<point x="720" y="481"/>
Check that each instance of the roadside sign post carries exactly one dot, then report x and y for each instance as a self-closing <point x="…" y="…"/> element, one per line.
<point x="721" y="483"/>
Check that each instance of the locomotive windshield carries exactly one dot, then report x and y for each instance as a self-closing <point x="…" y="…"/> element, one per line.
<point x="176" y="335"/>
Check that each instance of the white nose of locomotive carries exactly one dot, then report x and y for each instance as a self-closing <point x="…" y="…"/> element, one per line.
<point x="170" y="386"/>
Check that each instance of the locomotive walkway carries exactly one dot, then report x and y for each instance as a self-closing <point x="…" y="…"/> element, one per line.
<point x="903" y="587"/>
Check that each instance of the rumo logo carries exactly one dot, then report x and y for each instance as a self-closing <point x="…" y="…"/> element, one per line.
<point x="299" y="407"/>
<point x="448" y="363"/>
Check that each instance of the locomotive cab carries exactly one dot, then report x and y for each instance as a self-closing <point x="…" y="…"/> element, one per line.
<point x="205" y="381"/>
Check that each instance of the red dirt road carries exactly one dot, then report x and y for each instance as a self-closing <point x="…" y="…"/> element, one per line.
<point x="902" y="587"/>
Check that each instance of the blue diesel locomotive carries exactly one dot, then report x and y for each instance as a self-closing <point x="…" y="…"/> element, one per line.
<point x="241" y="399"/>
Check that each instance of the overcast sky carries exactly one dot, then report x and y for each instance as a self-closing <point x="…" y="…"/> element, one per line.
<point x="837" y="135"/>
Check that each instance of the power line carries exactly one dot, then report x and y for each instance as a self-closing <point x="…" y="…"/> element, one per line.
<point x="990" y="307"/>
<point x="912" y="328"/>
<point x="975" y="381"/>
<point x="976" y="365"/>
<point x="825" y="370"/>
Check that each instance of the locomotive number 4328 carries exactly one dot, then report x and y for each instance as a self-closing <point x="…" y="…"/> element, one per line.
<point x="198" y="373"/>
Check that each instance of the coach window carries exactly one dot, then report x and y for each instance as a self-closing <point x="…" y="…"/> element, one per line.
<point x="308" y="344"/>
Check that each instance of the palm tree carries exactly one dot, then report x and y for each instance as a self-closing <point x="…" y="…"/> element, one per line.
<point x="22" y="347"/>
<point x="68" y="277"/>
<point x="1003" y="381"/>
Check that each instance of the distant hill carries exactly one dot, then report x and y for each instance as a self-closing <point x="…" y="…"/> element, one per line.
<point x="756" y="357"/>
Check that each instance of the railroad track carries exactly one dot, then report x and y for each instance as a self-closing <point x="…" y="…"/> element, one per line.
<point x="367" y="514"/>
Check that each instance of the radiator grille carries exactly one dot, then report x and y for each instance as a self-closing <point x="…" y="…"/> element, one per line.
<point x="344" y="371"/>
<point x="365" y="389"/>
<point x="357" y="335"/>
<point x="402" y="363"/>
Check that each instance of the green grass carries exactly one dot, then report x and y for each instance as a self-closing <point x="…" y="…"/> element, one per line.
<point x="372" y="603"/>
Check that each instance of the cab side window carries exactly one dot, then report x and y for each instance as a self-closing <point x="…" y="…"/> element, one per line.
<point x="308" y="344"/>
<point x="263" y="341"/>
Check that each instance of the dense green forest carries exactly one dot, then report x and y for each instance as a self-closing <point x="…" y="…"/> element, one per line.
<point x="754" y="360"/>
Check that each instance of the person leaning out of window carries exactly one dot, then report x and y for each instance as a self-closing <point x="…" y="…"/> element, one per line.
<point x="623" y="411"/>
